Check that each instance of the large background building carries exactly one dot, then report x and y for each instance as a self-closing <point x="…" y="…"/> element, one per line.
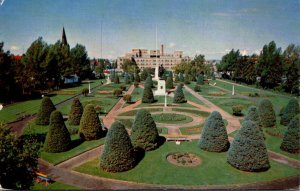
<point x="147" y="59"/>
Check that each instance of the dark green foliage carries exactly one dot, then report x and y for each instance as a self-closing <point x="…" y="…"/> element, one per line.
<point x="118" y="153"/>
<point x="148" y="95"/>
<point x="112" y="76"/>
<point x="18" y="160"/>
<point x="177" y="78"/>
<point x="291" y="138"/>
<point x="43" y="115"/>
<point x="116" y="79"/>
<point x="76" y="112"/>
<point x="145" y="74"/>
<point x="197" y="88"/>
<point x="117" y="92"/>
<point x="144" y="132"/>
<point x="237" y="110"/>
<point x="137" y="78"/>
<point x="181" y="78"/>
<point x="149" y="82"/>
<point x="214" y="136"/>
<point x="248" y="151"/>
<point x="179" y="96"/>
<point x="186" y="81"/>
<point x="281" y="111"/>
<point x="200" y="80"/>
<point x="266" y="113"/>
<point x="169" y="83"/>
<point x="252" y="115"/>
<point x="58" y="137"/>
<point x="90" y="126"/>
<point x="85" y="91"/>
<point x="290" y="111"/>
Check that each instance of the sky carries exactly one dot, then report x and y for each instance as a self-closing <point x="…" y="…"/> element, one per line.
<point x="208" y="27"/>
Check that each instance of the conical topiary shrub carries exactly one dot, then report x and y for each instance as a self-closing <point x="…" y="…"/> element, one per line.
<point x="46" y="108"/>
<point x="252" y="115"/>
<point x="118" y="153"/>
<point x="58" y="137"/>
<point x="214" y="136"/>
<point x="144" y="132"/>
<point x="266" y="113"/>
<point x="90" y="125"/>
<point x="169" y="83"/>
<point x="178" y="95"/>
<point x="291" y="138"/>
<point x="148" y="82"/>
<point x="290" y="111"/>
<point x="248" y="151"/>
<point x="200" y="80"/>
<point x="76" y="112"/>
<point x="148" y="95"/>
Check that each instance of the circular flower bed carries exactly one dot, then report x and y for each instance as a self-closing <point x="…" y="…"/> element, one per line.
<point x="184" y="159"/>
<point x="171" y="118"/>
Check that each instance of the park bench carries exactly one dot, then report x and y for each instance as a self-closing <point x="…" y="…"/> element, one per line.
<point x="177" y="138"/>
<point x="40" y="177"/>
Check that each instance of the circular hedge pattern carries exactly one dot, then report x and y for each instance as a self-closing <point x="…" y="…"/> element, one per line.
<point x="171" y="118"/>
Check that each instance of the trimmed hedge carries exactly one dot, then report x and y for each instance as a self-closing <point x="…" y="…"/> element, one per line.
<point x="118" y="153"/>
<point x="58" y="137"/>
<point x="46" y="108"/>
<point x="197" y="88"/>
<point x="148" y="82"/>
<point x="266" y="113"/>
<point x="169" y="83"/>
<point x="76" y="112"/>
<point x="148" y="95"/>
<point x="248" y="151"/>
<point x="178" y="95"/>
<point x="290" y="111"/>
<point x="291" y="138"/>
<point x="200" y="79"/>
<point x="90" y="126"/>
<point x="144" y="132"/>
<point x="214" y="136"/>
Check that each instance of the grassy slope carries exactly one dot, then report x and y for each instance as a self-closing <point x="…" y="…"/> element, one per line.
<point x="54" y="186"/>
<point x="213" y="167"/>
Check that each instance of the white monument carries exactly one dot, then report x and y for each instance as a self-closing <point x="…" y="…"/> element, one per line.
<point x="161" y="88"/>
<point x="156" y="77"/>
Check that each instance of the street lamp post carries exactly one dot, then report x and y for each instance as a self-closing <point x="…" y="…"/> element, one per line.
<point x="90" y="87"/>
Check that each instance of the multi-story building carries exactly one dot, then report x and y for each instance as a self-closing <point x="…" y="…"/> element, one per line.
<point x="153" y="58"/>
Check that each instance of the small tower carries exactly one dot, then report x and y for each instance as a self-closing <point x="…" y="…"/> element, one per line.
<point x="64" y="38"/>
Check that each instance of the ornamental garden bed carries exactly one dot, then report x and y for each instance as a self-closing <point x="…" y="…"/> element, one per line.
<point x="184" y="159"/>
<point x="171" y="118"/>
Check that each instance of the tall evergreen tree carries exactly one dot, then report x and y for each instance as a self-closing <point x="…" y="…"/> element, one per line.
<point x="58" y="137"/>
<point x="90" y="125"/>
<point x="291" y="138"/>
<point x="144" y="132"/>
<point x="214" y="136"/>
<point x="169" y="83"/>
<point x="200" y="80"/>
<point x="46" y="108"/>
<point x="148" y="95"/>
<point x="290" y="111"/>
<point x="248" y="151"/>
<point x="149" y="82"/>
<point x="76" y="112"/>
<point x="266" y="113"/>
<point x="179" y="95"/>
<point x="118" y="153"/>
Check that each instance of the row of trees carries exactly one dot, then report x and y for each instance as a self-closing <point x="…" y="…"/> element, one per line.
<point x="275" y="68"/>
<point x="42" y="67"/>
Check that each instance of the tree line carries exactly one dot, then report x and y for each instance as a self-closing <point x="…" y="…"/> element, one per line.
<point x="271" y="69"/>
<point x="42" y="67"/>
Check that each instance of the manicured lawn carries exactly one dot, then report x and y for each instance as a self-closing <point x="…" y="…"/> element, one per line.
<point x="133" y="112"/>
<point x="196" y="112"/>
<point x="54" y="186"/>
<point x="190" y="97"/>
<point x="137" y="94"/>
<point x="162" y="130"/>
<point x="171" y="118"/>
<point x="213" y="170"/>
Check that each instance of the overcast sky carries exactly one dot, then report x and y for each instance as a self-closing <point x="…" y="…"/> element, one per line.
<point x="209" y="27"/>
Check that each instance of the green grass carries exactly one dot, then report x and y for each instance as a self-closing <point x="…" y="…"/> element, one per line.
<point x="196" y="112"/>
<point x="54" y="186"/>
<point x="162" y="130"/>
<point x="213" y="167"/>
<point x="137" y="94"/>
<point x="171" y="118"/>
<point x="190" y="97"/>
<point x="192" y="130"/>
<point x="126" y="122"/>
<point x="133" y="112"/>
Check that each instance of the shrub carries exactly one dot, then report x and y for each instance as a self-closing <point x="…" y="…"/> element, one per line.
<point x="85" y="91"/>
<point x="97" y="108"/>
<point x="177" y="78"/>
<point x="144" y="75"/>
<point x="248" y="151"/>
<point x="144" y="132"/>
<point x="179" y="96"/>
<point x="169" y="83"/>
<point x="58" y="137"/>
<point x="90" y="125"/>
<point x="76" y="112"/>
<point x="237" y="110"/>
<point x="252" y="115"/>
<point x="117" y="92"/>
<point x="197" y="88"/>
<point x="116" y="79"/>
<point x="266" y="113"/>
<point x="290" y="111"/>
<point x="118" y="153"/>
<point x="123" y="88"/>
<point x="214" y="136"/>
<point x="43" y="115"/>
<point x="128" y="81"/>
<point x="127" y="98"/>
<point x="149" y="82"/>
<point x="137" y="78"/>
<point x="148" y="95"/>
<point x="186" y="81"/>
<point x="181" y="78"/>
<point x="253" y="94"/>
<point x="281" y="111"/>
<point x="291" y="138"/>
<point x="200" y="79"/>
<point x="136" y="84"/>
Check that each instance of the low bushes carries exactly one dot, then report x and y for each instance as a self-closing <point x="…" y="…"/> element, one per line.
<point x="237" y="110"/>
<point x="197" y="88"/>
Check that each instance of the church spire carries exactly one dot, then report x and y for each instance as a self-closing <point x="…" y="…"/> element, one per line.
<point x="64" y="38"/>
